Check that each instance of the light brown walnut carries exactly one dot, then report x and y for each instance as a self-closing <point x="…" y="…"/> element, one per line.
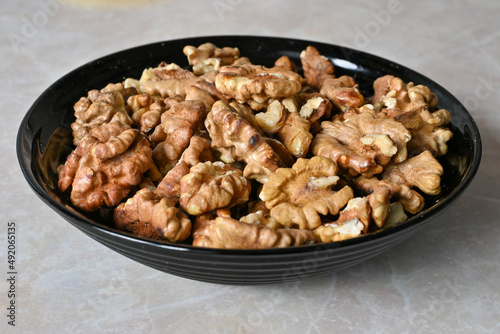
<point x="223" y="232"/>
<point x="317" y="68"/>
<point x="146" y="111"/>
<point x="210" y="186"/>
<point x="422" y="171"/>
<point x="285" y="63"/>
<point x="197" y="151"/>
<point x="414" y="107"/>
<point x="314" y="106"/>
<point x="362" y="143"/>
<point x="381" y="192"/>
<point x="179" y="123"/>
<point x="256" y="85"/>
<point x="295" y="135"/>
<point x="343" y="92"/>
<point x="208" y="57"/>
<point x="99" y="107"/>
<point x="300" y="195"/>
<point x="236" y="140"/>
<point x="353" y="221"/>
<point x="105" y="165"/>
<point x="147" y="215"/>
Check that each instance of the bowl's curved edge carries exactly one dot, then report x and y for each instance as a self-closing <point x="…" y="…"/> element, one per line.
<point x="24" y="150"/>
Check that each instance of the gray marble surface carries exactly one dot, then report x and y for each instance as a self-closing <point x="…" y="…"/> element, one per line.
<point x="444" y="279"/>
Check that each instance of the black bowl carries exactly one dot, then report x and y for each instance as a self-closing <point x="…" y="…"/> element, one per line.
<point x="44" y="141"/>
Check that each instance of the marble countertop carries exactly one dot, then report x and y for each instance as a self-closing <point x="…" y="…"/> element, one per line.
<point x="440" y="280"/>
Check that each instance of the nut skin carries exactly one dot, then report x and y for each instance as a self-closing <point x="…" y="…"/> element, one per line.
<point x="256" y="84"/>
<point x="105" y="166"/>
<point x="210" y="186"/>
<point x="343" y="92"/>
<point x="414" y="107"/>
<point x="348" y="143"/>
<point x="147" y="215"/>
<point x="317" y="68"/>
<point x="224" y="232"/>
<point x="179" y="124"/>
<point x="236" y="140"/>
<point x="294" y="200"/>
<point x="99" y="107"/>
<point x="422" y="171"/>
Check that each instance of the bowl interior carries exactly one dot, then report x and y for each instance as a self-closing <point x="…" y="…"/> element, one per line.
<point x="44" y="138"/>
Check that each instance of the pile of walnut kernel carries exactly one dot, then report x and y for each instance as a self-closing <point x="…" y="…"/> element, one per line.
<point x="237" y="155"/>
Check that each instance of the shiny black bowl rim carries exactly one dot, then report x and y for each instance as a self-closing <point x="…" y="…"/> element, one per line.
<point x="90" y="227"/>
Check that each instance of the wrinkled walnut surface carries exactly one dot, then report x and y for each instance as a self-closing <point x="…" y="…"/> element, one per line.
<point x="231" y="154"/>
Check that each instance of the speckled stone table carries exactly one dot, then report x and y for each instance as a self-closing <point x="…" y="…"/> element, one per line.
<point x="444" y="279"/>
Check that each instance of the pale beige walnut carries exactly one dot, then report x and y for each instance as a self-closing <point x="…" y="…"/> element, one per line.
<point x="210" y="186"/>
<point x="99" y="107"/>
<point x="105" y="166"/>
<point x="168" y="80"/>
<point x="197" y="151"/>
<point x="414" y="107"/>
<point x="179" y="123"/>
<point x="422" y="171"/>
<point x="353" y="221"/>
<point x="223" y="232"/>
<point x="362" y="143"/>
<point x="208" y="57"/>
<point x="236" y="140"/>
<point x="256" y="85"/>
<point x="300" y="195"/>
<point x="317" y="68"/>
<point x="427" y="130"/>
<point x="147" y="215"/>
<point x="343" y="92"/>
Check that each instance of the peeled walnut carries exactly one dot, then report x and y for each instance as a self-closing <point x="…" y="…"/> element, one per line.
<point x="147" y="215"/>
<point x="105" y="165"/>
<point x="256" y="84"/>
<point x="210" y="186"/>
<point x="300" y="195"/>
<point x="362" y="143"/>
<point x="236" y="140"/>
<point x="223" y="232"/>
<point x="99" y="107"/>
<point x="422" y="171"/>
<point x="343" y="92"/>
<point x="208" y="57"/>
<point x="353" y="220"/>
<point x="317" y="68"/>
<point x="179" y="123"/>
